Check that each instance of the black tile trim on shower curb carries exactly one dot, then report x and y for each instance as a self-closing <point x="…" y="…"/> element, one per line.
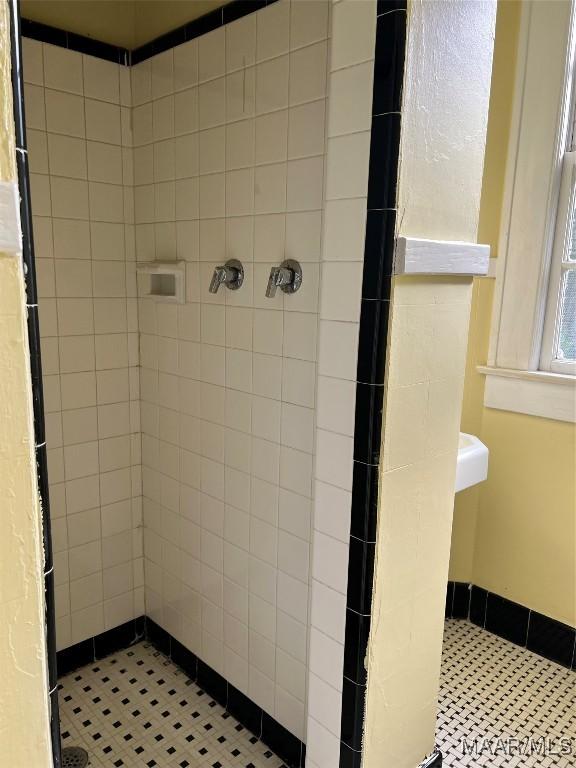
<point x="371" y="365"/>
<point x="514" y="622"/>
<point x="219" y="17"/>
<point x="285" y="745"/>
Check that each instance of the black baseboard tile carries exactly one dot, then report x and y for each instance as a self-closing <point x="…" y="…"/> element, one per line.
<point x="213" y="683"/>
<point x="244" y="710"/>
<point x="461" y="600"/>
<point x="118" y="638"/>
<point x="478" y="598"/>
<point x="514" y="622"/>
<point x="282" y="742"/>
<point x="185" y="659"/>
<point x="100" y="646"/>
<point x="449" y="599"/>
<point x="507" y="619"/>
<point x="75" y="656"/>
<point x="159" y="638"/>
<point x="551" y="639"/>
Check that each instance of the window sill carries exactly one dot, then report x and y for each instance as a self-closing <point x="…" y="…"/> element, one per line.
<point x="535" y="393"/>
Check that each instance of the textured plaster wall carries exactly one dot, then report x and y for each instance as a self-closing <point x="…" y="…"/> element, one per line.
<point x="428" y="339"/>
<point x="24" y="721"/>
<point x="445" y="113"/>
<point x="444" y="118"/>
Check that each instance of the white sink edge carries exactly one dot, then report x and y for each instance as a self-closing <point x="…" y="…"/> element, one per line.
<point x="472" y="462"/>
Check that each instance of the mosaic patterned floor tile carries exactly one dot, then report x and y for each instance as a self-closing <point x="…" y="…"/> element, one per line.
<point x="136" y="709"/>
<point x="512" y="707"/>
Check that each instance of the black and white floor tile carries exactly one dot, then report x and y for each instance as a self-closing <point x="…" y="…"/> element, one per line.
<point x="493" y="690"/>
<point x="137" y="708"/>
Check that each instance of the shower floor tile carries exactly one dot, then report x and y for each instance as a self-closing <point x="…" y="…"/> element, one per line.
<point x="493" y="690"/>
<point x="137" y="708"/>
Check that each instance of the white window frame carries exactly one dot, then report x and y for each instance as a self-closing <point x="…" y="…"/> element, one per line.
<point x="558" y="268"/>
<point x="519" y="374"/>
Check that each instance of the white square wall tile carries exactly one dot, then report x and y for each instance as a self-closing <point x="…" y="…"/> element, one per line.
<point x="273" y="30"/>
<point x="336" y="405"/>
<point x="330" y="561"/>
<point x="347" y="166"/>
<point x="328" y="613"/>
<point x="32" y="54"/>
<point x="102" y="121"/>
<point x="303" y="232"/>
<point x="241" y="43"/>
<point x="350" y="100"/>
<point x="325" y="704"/>
<point x="62" y="69"/>
<point x="308" y="73"/>
<point x="332" y="511"/>
<point x="308" y="22"/>
<point x="344" y="230"/>
<point x="334" y="458"/>
<point x="338" y="349"/>
<point x="185" y="65"/>
<point x="305" y="184"/>
<point x="272" y="85"/>
<point x="326" y="658"/>
<point x="101" y="79"/>
<point x="162" y="74"/>
<point x="212" y="54"/>
<point x="341" y="290"/>
<point x="306" y="130"/>
<point x="322" y="746"/>
<point x="292" y="597"/>
<point x="354" y="33"/>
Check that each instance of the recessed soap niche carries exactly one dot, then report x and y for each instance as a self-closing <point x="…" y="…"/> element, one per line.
<point x="162" y="280"/>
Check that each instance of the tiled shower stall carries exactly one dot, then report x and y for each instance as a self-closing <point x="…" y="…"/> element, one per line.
<point x="197" y="449"/>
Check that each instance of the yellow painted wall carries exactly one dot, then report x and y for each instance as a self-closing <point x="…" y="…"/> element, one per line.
<point x="24" y="723"/>
<point x="514" y="534"/>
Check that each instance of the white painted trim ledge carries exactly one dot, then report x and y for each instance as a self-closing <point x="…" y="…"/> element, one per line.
<point x="534" y="393"/>
<point x="417" y="256"/>
<point x="10" y="232"/>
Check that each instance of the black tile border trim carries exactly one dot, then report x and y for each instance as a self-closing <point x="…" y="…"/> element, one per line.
<point x="371" y="366"/>
<point x="98" y="647"/>
<point x="514" y="622"/>
<point x="74" y="42"/>
<point x="232" y="11"/>
<point x="287" y="746"/>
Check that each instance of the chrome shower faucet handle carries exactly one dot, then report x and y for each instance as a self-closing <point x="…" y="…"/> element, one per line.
<point x="230" y="274"/>
<point x="287" y="277"/>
